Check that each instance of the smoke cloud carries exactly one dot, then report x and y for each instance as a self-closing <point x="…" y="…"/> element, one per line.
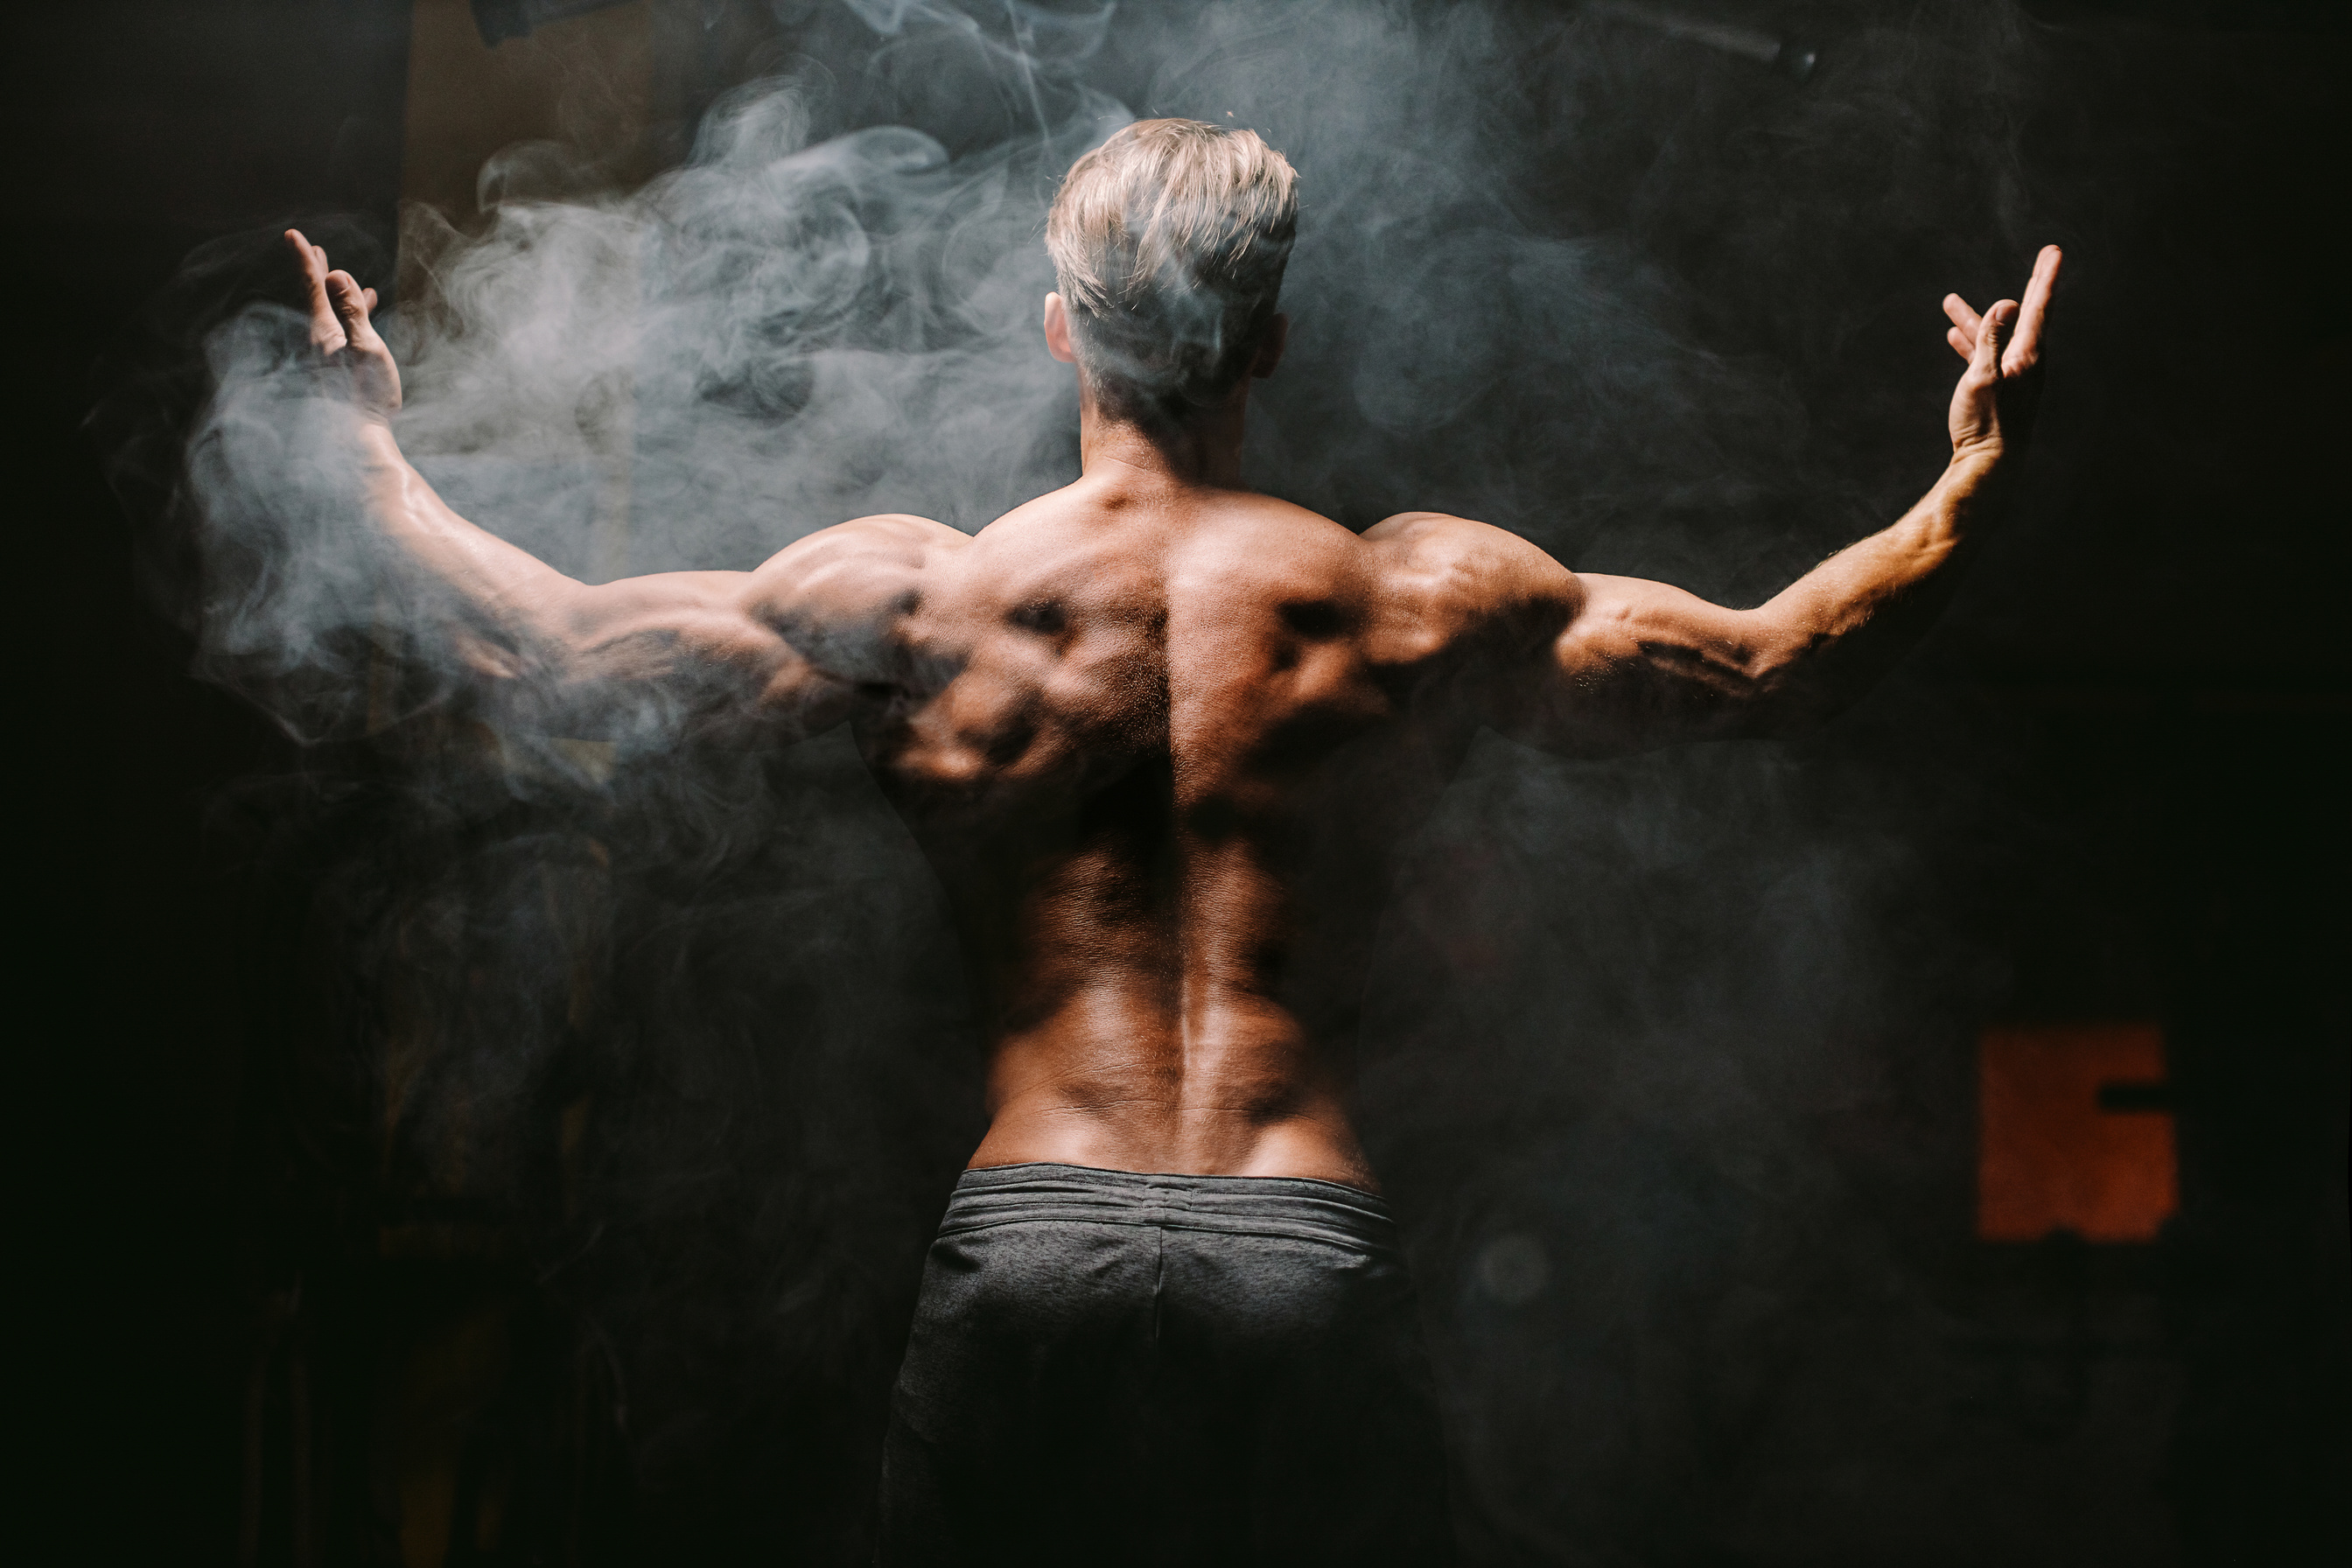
<point x="1656" y="1047"/>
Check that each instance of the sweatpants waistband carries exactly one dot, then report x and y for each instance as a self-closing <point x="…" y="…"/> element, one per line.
<point x="1297" y="1206"/>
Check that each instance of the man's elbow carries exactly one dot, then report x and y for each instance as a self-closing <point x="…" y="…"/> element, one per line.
<point x="1790" y="688"/>
<point x="542" y="646"/>
<point x="576" y="627"/>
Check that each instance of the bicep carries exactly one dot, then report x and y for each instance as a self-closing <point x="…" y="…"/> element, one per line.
<point x="784" y="648"/>
<point x="1637" y="665"/>
<point x="646" y="627"/>
<point x="697" y="646"/>
<point x="674" y="649"/>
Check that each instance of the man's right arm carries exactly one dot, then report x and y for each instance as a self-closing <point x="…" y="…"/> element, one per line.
<point x="784" y="648"/>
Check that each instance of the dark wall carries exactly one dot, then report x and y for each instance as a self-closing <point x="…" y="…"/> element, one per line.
<point x="144" y="128"/>
<point x="2118" y="778"/>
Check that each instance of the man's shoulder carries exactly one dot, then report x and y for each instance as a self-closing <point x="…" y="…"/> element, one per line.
<point x="890" y="532"/>
<point x="858" y="569"/>
<point x="885" y="536"/>
<point x="1449" y="587"/>
<point x="1441" y="560"/>
<point x="1437" y="535"/>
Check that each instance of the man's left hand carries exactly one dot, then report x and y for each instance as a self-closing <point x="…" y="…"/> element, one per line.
<point x="1992" y="408"/>
<point x="342" y="334"/>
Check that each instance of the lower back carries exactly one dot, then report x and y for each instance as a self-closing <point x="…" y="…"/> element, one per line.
<point x="1119" y="1084"/>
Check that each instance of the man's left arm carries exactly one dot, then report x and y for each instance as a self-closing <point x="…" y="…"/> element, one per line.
<point x="1635" y="665"/>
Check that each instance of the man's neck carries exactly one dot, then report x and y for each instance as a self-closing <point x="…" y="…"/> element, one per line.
<point x="1203" y="451"/>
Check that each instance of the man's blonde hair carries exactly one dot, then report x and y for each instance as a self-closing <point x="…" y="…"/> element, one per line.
<point x="1169" y="241"/>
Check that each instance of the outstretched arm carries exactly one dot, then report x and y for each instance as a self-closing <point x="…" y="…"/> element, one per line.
<point x="1615" y="664"/>
<point x="786" y="647"/>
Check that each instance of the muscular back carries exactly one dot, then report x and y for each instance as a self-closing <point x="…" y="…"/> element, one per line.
<point x="1162" y="738"/>
<point x="1161" y="743"/>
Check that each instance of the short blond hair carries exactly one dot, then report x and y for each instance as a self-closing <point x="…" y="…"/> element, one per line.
<point x="1169" y="242"/>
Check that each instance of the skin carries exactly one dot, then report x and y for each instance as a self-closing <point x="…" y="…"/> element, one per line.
<point x="1161" y="737"/>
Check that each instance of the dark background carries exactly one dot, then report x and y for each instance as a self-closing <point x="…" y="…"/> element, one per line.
<point x="2129" y="802"/>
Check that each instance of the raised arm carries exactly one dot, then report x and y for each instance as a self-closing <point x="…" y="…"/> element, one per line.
<point x="1589" y="665"/>
<point x="783" y="648"/>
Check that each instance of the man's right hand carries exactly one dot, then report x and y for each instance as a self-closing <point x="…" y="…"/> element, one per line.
<point x="342" y="331"/>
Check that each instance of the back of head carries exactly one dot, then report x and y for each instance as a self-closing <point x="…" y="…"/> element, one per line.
<point x="1169" y="241"/>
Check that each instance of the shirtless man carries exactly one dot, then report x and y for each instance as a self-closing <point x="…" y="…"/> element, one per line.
<point x="1162" y="738"/>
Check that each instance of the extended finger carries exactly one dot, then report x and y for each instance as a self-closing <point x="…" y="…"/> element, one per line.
<point x="1963" y="335"/>
<point x="324" y="330"/>
<point x="2025" y="348"/>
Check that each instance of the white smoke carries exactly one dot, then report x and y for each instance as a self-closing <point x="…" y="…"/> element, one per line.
<point x="1646" y="301"/>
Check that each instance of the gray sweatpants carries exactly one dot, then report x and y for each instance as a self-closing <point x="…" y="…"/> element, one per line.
<point x="1114" y="1368"/>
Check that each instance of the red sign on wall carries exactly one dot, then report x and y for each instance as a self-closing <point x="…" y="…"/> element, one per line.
<point x="2072" y="1134"/>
